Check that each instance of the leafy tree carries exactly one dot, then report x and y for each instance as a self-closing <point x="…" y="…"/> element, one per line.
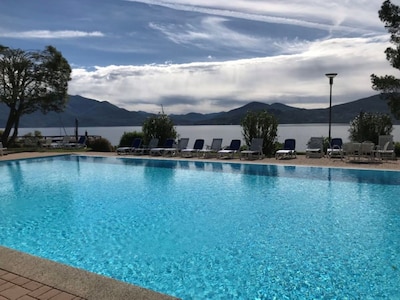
<point x="158" y="126"/>
<point x="369" y="126"/>
<point x="389" y="85"/>
<point x="260" y="124"/>
<point x="31" y="81"/>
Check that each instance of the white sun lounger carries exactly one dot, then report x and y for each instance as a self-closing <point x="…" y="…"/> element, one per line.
<point x="288" y="151"/>
<point x="315" y="147"/>
<point x="216" y="145"/>
<point x="255" y="149"/>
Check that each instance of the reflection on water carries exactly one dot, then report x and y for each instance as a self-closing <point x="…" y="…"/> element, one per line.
<point x="311" y="173"/>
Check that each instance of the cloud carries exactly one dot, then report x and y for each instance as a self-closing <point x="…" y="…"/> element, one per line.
<point x="338" y="15"/>
<point x="207" y="33"/>
<point x="296" y="79"/>
<point x="47" y="34"/>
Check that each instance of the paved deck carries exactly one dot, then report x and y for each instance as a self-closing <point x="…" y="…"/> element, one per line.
<point x="25" y="277"/>
<point x="14" y="286"/>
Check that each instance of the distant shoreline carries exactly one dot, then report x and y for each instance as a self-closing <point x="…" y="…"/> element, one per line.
<point x="93" y="113"/>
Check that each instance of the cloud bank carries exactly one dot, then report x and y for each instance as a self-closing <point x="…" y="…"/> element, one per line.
<point x="297" y="79"/>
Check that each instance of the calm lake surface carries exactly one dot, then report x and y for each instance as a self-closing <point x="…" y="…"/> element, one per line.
<point x="301" y="132"/>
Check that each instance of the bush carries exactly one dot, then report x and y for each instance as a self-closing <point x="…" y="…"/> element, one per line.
<point x="369" y="126"/>
<point x="100" y="145"/>
<point x="260" y="125"/>
<point x="36" y="133"/>
<point x="128" y="137"/>
<point x="159" y="126"/>
<point x="397" y="149"/>
<point x="32" y="139"/>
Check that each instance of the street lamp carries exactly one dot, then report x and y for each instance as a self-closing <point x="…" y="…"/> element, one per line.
<point x="330" y="76"/>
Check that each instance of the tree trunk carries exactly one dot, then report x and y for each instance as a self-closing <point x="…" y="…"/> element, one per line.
<point x="12" y="118"/>
<point x="15" y="132"/>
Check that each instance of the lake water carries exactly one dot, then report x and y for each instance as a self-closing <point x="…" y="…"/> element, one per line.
<point x="301" y="132"/>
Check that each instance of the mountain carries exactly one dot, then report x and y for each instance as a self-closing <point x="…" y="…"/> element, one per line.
<point x="343" y="113"/>
<point x="89" y="112"/>
<point x="94" y="113"/>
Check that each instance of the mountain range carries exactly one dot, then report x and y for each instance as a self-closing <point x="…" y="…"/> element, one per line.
<point x="94" y="113"/>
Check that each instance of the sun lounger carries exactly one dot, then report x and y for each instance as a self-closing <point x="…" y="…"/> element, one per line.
<point x="169" y="143"/>
<point x="216" y="145"/>
<point x="136" y="143"/>
<point x="47" y="143"/>
<point x="367" y="150"/>
<point x="359" y="152"/>
<point x="229" y="151"/>
<point x="198" y="145"/>
<point x="351" y="151"/>
<point x="288" y="151"/>
<point x="385" y="148"/>
<point x="335" y="148"/>
<point x="52" y="143"/>
<point x="255" y="149"/>
<point x="145" y="149"/>
<point x="81" y="143"/>
<point x="315" y="147"/>
<point x="62" y="143"/>
<point x="2" y="149"/>
<point x="174" y="151"/>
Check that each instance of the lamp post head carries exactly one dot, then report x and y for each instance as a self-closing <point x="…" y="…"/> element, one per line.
<point x="331" y="76"/>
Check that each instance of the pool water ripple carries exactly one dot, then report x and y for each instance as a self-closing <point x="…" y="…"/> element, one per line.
<point x="204" y="230"/>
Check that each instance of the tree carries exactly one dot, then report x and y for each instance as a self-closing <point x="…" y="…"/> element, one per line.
<point x="260" y="125"/>
<point x="158" y="126"/>
<point x="31" y="81"/>
<point x="369" y="126"/>
<point x="389" y="85"/>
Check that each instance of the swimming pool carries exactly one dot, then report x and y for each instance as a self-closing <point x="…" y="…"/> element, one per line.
<point x="209" y="230"/>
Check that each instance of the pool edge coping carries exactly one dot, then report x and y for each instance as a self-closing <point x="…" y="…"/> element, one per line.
<point x="76" y="281"/>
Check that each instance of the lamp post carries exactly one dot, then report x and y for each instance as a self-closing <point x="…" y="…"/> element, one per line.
<point x="330" y="76"/>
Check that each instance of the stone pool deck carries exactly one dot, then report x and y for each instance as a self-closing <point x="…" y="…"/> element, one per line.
<point x="26" y="277"/>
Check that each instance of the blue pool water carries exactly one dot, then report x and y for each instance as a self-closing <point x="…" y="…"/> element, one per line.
<point x="207" y="230"/>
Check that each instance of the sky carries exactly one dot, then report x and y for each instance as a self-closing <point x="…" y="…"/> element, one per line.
<point x="207" y="56"/>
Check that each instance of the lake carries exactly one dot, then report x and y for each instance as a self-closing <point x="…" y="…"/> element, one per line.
<point x="301" y="132"/>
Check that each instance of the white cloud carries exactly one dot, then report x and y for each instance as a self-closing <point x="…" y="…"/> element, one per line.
<point x="47" y="34"/>
<point x="296" y="80"/>
<point x="210" y="29"/>
<point x="339" y="14"/>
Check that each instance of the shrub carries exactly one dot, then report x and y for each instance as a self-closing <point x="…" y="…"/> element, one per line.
<point x="159" y="126"/>
<point x="128" y="137"/>
<point x="369" y="126"/>
<point x="260" y="125"/>
<point x="32" y="139"/>
<point x="36" y="133"/>
<point x="100" y="145"/>
<point x="397" y="149"/>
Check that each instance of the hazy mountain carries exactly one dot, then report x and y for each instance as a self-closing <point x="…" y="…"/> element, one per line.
<point x="91" y="112"/>
<point x="342" y="113"/>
